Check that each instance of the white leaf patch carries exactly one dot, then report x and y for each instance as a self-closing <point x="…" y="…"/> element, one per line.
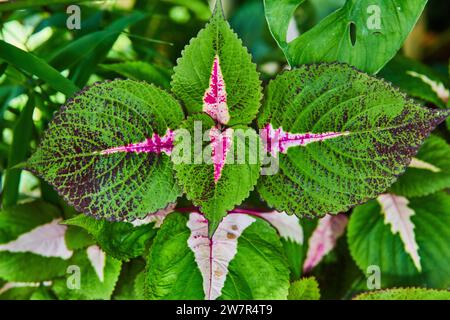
<point x="288" y="226"/>
<point x="438" y="88"/>
<point x="419" y="164"/>
<point x="323" y="239"/>
<point x="10" y="285"/>
<point x="97" y="258"/>
<point x="46" y="240"/>
<point x="214" y="255"/>
<point x="157" y="218"/>
<point x="398" y="215"/>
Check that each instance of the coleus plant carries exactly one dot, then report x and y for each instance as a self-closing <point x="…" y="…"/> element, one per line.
<point x="335" y="137"/>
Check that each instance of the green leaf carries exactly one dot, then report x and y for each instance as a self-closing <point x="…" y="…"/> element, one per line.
<point x="37" y="67"/>
<point x="363" y="33"/>
<point x="377" y="131"/>
<point x="405" y="294"/>
<point x="120" y="240"/>
<point x="18" y="152"/>
<point x="197" y="177"/>
<point x="257" y="271"/>
<point x="116" y="185"/>
<point x="372" y="242"/>
<point x="26" y="266"/>
<point x="192" y="74"/>
<point x="125" y="287"/>
<point x="304" y="289"/>
<point x="417" y="80"/>
<point x="139" y="70"/>
<point x="429" y="172"/>
<point x="88" y="51"/>
<point x="97" y="282"/>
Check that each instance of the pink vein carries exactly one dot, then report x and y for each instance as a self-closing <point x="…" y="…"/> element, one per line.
<point x="215" y="97"/>
<point x="155" y="144"/>
<point x="276" y="140"/>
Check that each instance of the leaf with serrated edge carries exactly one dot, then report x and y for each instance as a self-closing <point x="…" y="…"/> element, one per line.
<point x="216" y="187"/>
<point x="368" y="148"/>
<point x="398" y="215"/>
<point x="405" y="294"/>
<point x="106" y="151"/>
<point x="323" y="239"/>
<point x="217" y="48"/>
<point x="214" y="254"/>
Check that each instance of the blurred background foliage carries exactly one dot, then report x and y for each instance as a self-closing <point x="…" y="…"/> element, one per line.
<point x="42" y="63"/>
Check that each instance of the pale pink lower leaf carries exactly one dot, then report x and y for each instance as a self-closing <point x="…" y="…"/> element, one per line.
<point x="97" y="258"/>
<point x="213" y="255"/>
<point x="323" y="239"/>
<point x="288" y="226"/>
<point x="398" y="215"/>
<point x="46" y="240"/>
<point x="157" y="217"/>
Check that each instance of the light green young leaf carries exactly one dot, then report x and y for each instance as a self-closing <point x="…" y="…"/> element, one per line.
<point x="364" y="33"/>
<point x="193" y="72"/>
<point x="377" y="130"/>
<point x="372" y="242"/>
<point x="405" y="294"/>
<point x="115" y="185"/>
<point x="429" y="171"/>
<point x="304" y="289"/>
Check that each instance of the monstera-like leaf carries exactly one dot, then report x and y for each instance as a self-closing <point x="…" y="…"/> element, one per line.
<point x="340" y="136"/>
<point x="106" y="151"/>
<point x="363" y="33"/>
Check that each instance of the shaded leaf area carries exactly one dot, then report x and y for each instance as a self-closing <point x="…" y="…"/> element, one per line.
<point x="120" y="240"/>
<point x="333" y="175"/>
<point x="365" y="34"/>
<point x="425" y="180"/>
<point x="140" y="71"/>
<point x="101" y="117"/>
<point x="367" y="230"/>
<point x="172" y="267"/>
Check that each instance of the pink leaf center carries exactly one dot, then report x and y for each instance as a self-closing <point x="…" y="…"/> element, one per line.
<point x="215" y="98"/>
<point x="221" y="144"/>
<point x="276" y="140"/>
<point x="155" y="144"/>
